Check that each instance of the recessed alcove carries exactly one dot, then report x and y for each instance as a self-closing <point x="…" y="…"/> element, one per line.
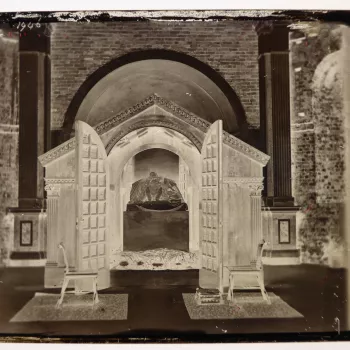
<point x="155" y="212"/>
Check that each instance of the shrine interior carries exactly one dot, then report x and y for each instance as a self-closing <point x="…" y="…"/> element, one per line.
<point x="174" y="177"/>
<point x="155" y="213"/>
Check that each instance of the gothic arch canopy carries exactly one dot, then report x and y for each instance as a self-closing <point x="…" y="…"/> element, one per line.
<point x="151" y="122"/>
<point x="156" y="111"/>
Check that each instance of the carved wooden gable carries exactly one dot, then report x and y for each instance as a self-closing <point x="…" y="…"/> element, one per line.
<point x="159" y="112"/>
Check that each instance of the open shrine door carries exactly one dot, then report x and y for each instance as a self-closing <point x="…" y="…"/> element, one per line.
<point x="211" y="272"/>
<point x="92" y="184"/>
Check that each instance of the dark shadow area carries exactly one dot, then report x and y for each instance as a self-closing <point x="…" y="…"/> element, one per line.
<point x="144" y="230"/>
<point x="158" y="312"/>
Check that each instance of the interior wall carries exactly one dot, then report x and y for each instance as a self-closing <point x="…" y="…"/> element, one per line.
<point x="127" y="179"/>
<point x="161" y="161"/>
<point x="317" y="136"/>
<point x="8" y="139"/>
<point x="346" y="111"/>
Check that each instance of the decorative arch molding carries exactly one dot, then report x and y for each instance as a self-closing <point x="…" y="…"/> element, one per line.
<point x="152" y="100"/>
<point x="141" y="55"/>
<point x="181" y="116"/>
<point x="154" y="122"/>
<point x="172" y="116"/>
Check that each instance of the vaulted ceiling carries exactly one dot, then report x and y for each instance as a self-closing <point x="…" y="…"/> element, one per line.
<point x="177" y="82"/>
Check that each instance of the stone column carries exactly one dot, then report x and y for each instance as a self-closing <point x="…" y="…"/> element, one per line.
<point x="256" y="218"/>
<point x="34" y="140"/>
<point x="53" y="193"/>
<point x="275" y="111"/>
<point x="34" y="116"/>
<point x="275" y="130"/>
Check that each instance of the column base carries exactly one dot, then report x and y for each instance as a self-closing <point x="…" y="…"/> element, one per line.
<point x="280" y="232"/>
<point x="29" y="238"/>
<point x="26" y="259"/>
<point x="281" y="257"/>
<point x="279" y="202"/>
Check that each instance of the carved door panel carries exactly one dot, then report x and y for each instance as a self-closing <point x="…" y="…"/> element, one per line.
<point x="210" y="274"/>
<point x="92" y="181"/>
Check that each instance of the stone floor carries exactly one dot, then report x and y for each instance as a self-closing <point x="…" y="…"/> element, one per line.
<point x="158" y="310"/>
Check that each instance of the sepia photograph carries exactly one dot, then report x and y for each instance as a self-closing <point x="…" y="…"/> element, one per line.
<point x="174" y="176"/>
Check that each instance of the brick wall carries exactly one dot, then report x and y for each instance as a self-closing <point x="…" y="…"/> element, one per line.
<point x="317" y="141"/>
<point x="8" y="140"/>
<point x="79" y="49"/>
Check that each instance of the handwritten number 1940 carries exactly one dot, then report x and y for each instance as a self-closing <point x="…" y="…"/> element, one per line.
<point x="30" y="26"/>
<point x="22" y="25"/>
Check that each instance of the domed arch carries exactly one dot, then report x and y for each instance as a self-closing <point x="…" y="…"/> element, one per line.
<point x="212" y="90"/>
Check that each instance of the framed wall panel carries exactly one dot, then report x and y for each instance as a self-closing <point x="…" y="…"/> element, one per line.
<point x="284" y="231"/>
<point x="26" y="233"/>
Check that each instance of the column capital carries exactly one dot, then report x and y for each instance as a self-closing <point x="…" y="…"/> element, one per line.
<point x="255" y="189"/>
<point x="267" y="27"/>
<point x="272" y="36"/>
<point x="264" y="27"/>
<point x="36" y="39"/>
<point x="53" y="186"/>
<point x="53" y="190"/>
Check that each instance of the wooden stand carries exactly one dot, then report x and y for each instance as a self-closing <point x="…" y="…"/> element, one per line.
<point x="208" y="297"/>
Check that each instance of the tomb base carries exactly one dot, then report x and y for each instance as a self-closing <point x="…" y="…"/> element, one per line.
<point x="155" y="259"/>
<point x="145" y="230"/>
<point x="154" y="279"/>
